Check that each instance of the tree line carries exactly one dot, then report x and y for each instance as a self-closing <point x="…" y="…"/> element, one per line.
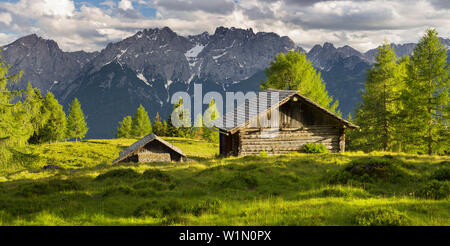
<point x="140" y="124"/>
<point x="26" y="116"/>
<point x="405" y="104"/>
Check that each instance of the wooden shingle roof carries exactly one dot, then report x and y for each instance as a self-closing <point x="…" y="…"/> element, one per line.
<point x="273" y="98"/>
<point x="141" y="143"/>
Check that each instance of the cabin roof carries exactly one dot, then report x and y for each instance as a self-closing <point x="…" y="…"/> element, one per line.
<point x="244" y="111"/>
<point x="144" y="141"/>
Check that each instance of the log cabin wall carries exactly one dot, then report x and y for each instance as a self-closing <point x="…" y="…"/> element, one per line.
<point x="299" y="123"/>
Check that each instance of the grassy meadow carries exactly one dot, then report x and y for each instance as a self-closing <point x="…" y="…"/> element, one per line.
<point x="294" y="189"/>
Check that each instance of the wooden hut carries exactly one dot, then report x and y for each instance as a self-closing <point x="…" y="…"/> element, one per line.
<point x="151" y="148"/>
<point x="300" y="121"/>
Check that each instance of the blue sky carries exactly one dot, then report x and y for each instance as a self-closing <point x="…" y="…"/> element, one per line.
<point x="90" y="25"/>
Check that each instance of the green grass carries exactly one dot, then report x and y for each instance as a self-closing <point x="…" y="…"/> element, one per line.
<point x="295" y="189"/>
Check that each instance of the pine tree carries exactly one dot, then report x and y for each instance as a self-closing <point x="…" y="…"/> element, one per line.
<point x="13" y="117"/>
<point x="76" y="124"/>
<point x="198" y="128"/>
<point x="211" y="114"/>
<point x="158" y="127"/>
<point x="426" y="98"/>
<point x="181" y="128"/>
<point x="141" y="124"/>
<point x="378" y="112"/>
<point x="55" y="128"/>
<point x="293" y="71"/>
<point x="34" y="105"/>
<point x="165" y="129"/>
<point x="124" y="129"/>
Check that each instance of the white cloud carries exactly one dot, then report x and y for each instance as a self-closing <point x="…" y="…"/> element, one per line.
<point x="359" y="23"/>
<point x="125" y="5"/>
<point x="5" y="18"/>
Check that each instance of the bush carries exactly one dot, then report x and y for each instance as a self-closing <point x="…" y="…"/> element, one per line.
<point x="159" y="209"/>
<point x="315" y="148"/>
<point x="442" y="174"/>
<point x="156" y="174"/>
<point x="64" y="185"/>
<point x="153" y="183"/>
<point x="45" y="188"/>
<point x="344" y="192"/>
<point x="207" y="206"/>
<point x="34" y="189"/>
<point x="370" y="170"/>
<point x="380" y="217"/>
<point x="238" y="181"/>
<point x="118" y="190"/>
<point x="434" y="190"/>
<point x="127" y="173"/>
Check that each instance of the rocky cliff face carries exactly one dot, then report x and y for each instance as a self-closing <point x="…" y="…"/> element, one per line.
<point x="43" y="62"/>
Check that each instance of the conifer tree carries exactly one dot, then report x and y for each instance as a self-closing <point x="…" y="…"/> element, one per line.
<point x="293" y="71"/>
<point x="211" y="114"/>
<point x="76" y="124"/>
<point x="55" y="128"/>
<point x="34" y="106"/>
<point x="426" y="98"/>
<point x="158" y="127"/>
<point x="141" y="124"/>
<point x="124" y="129"/>
<point x="12" y="116"/>
<point x="181" y="128"/>
<point x="377" y="114"/>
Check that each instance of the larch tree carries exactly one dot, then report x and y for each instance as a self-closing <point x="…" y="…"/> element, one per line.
<point x="377" y="115"/>
<point x="76" y="123"/>
<point x="293" y="71"/>
<point x="426" y="98"/>
<point x="158" y="127"/>
<point x="211" y="114"/>
<point x="12" y="115"/>
<point x="183" y="126"/>
<point x="124" y="129"/>
<point x="34" y="105"/>
<point x="141" y="124"/>
<point x="55" y="128"/>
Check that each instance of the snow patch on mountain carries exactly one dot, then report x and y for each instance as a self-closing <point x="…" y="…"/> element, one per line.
<point x="143" y="79"/>
<point x="193" y="53"/>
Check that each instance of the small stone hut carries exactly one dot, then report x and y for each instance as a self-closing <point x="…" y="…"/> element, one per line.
<point x="300" y="121"/>
<point x="151" y="148"/>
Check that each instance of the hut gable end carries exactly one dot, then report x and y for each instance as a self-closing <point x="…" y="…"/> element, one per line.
<point x="151" y="148"/>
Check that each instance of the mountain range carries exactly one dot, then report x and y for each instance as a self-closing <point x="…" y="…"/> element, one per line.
<point x="148" y="67"/>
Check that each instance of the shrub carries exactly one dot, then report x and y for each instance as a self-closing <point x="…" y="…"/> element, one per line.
<point x="344" y="192"/>
<point x="148" y="209"/>
<point x="153" y="183"/>
<point x="118" y="190"/>
<point x="239" y="181"/>
<point x="434" y="190"/>
<point x="207" y="206"/>
<point x="20" y="207"/>
<point x="442" y="174"/>
<point x="315" y="148"/>
<point x="34" y="189"/>
<point x="127" y="173"/>
<point x="64" y="185"/>
<point x="380" y="217"/>
<point x="369" y="170"/>
<point x="156" y="174"/>
<point x="159" y="209"/>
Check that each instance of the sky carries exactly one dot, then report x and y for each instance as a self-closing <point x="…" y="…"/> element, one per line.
<point x="91" y="25"/>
